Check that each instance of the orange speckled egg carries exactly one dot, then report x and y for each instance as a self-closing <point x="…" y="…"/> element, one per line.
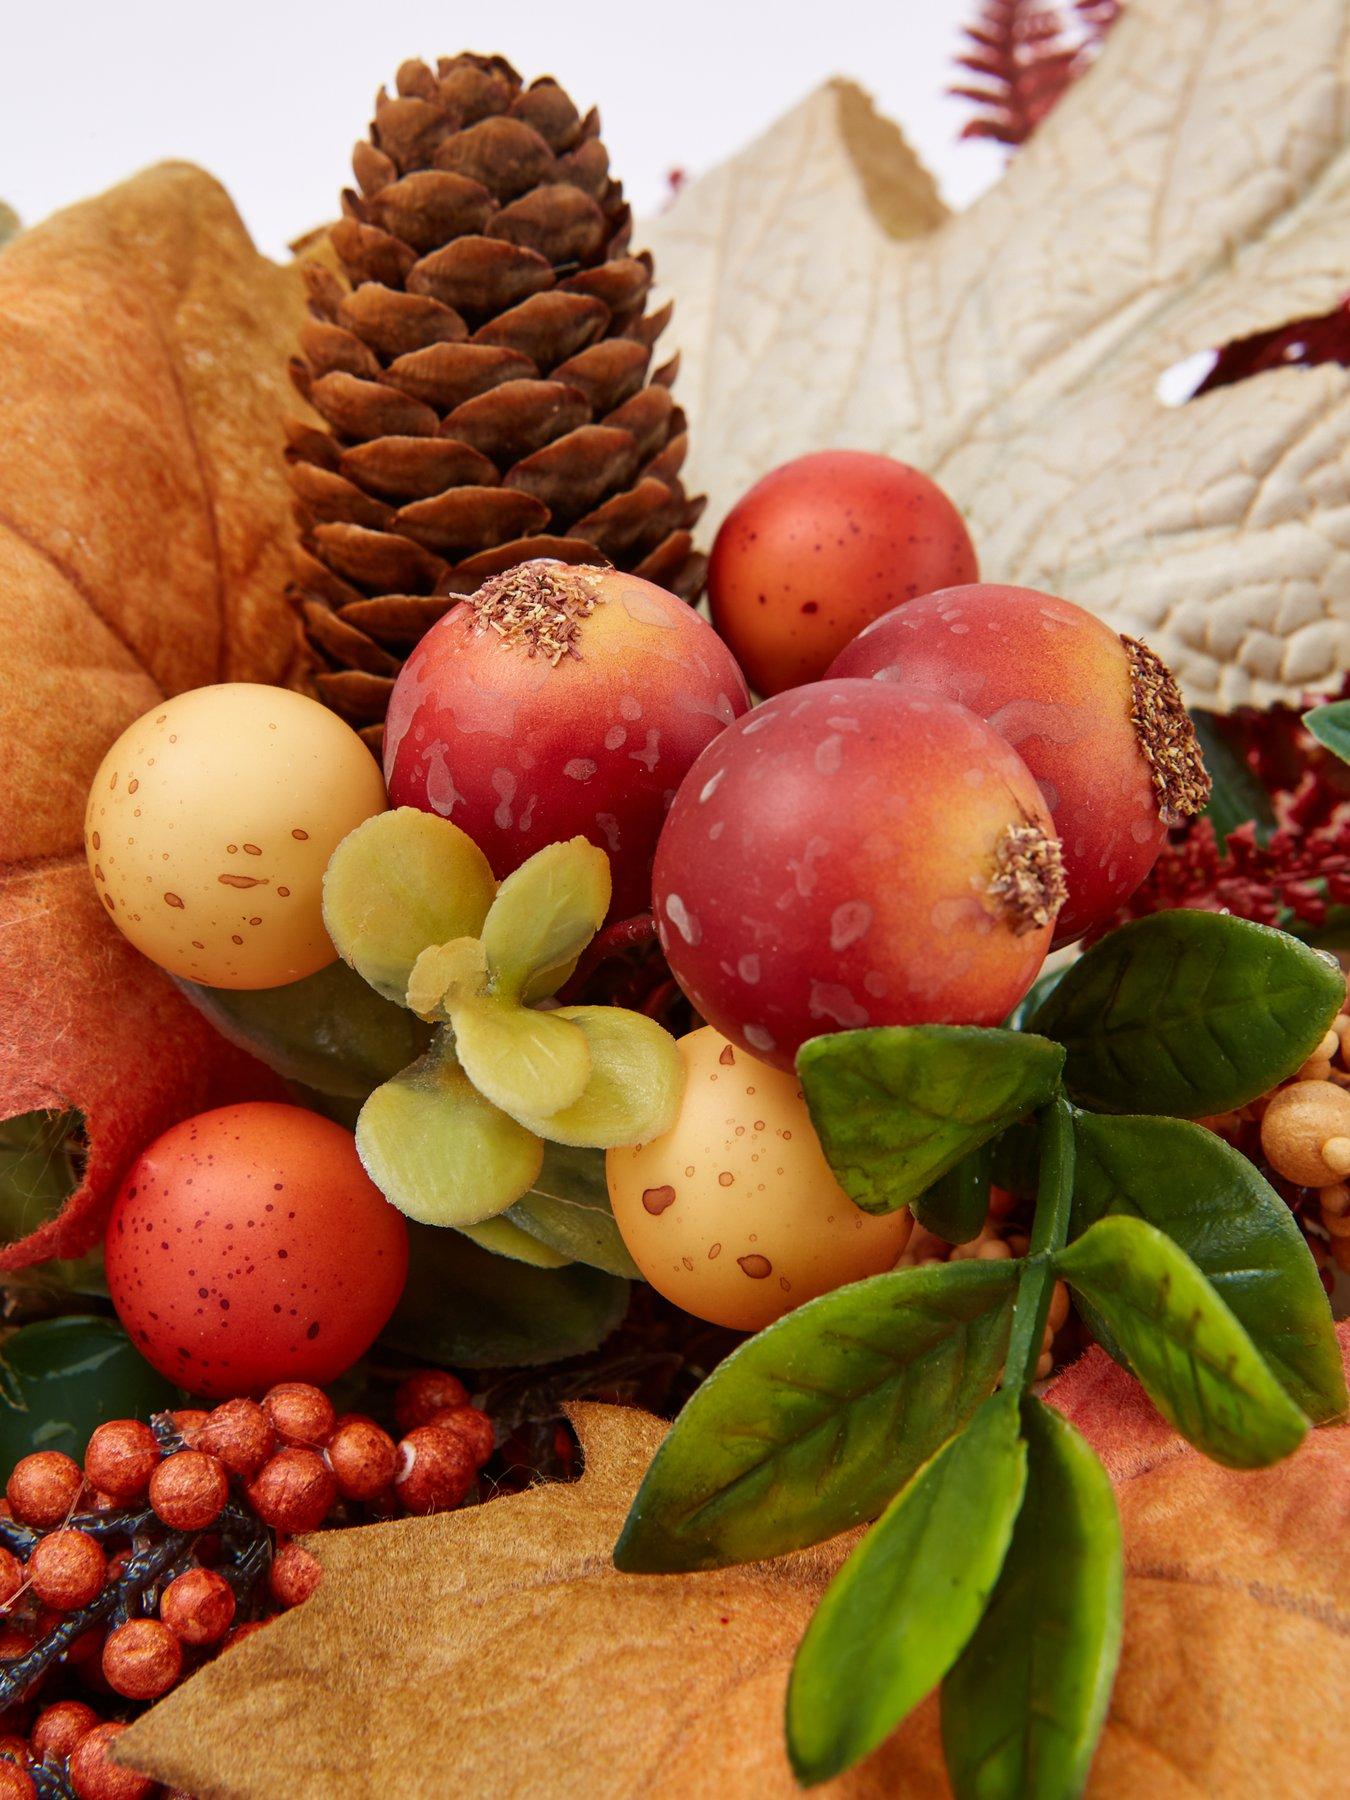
<point x="248" y="1246"/>
<point x="210" y="823"/>
<point x="734" y="1214"/>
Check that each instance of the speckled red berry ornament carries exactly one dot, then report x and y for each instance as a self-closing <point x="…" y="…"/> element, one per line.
<point x="1097" y="718"/>
<point x="436" y="1469"/>
<point x="294" y="1490"/>
<point x="44" y="1487"/>
<point x="559" y="702"/>
<point x="198" y="1606"/>
<point x="820" y="548"/>
<point x="59" y="1727"/>
<point x="95" y="1776"/>
<point x="121" y="1457"/>
<point x="855" y="853"/>
<point x="249" y="1246"/>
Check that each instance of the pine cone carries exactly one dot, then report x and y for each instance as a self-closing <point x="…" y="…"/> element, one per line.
<point x="484" y="378"/>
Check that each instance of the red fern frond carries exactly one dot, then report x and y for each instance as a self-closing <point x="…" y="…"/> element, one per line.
<point x="1026" y="53"/>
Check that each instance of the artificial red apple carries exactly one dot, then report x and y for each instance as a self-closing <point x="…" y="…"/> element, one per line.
<point x="556" y="702"/>
<point x="821" y="547"/>
<point x="855" y="853"/>
<point x="1097" y="718"/>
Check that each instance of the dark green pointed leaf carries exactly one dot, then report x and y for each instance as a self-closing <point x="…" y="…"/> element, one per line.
<point x="1197" y="1364"/>
<point x="1330" y="725"/>
<point x="1189" y="1013"/>
<point x="957" y="1205"/>
<point x="61" y="1378"/>
<point x="1234" y="1227"/>
<point x="1236" y="796"/>
<point x="899" y="1612"/>
<point x="465" y="1308"/>
<point x="329" y="1032"/>
<point x="41" y="1154"/>
<point x="897" y="1106"/>
<point x="813" y="1424"/>
<point x="1024" y="1706"/>
<point x="568" y="1209"/>
<point x="1039" y="991"/>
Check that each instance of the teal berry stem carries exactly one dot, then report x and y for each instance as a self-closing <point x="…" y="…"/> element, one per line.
<point x="1049" y="1233"/>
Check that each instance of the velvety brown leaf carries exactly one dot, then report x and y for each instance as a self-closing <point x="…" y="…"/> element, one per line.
<point x="144" y="549"/>
<point x="497" y="1651"/>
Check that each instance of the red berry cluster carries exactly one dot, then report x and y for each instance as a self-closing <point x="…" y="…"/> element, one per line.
<point x="175" y="1540"/>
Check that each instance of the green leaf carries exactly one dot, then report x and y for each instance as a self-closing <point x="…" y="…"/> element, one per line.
<point x="899" y="1612"/>
<point x="813" y="1424"/>
<point x="957" y="1205"/>
<point x="63" y="1377"/>
<point x="544" y="916"/>
<point x="439" y="1151"/>
<point x="897" y="1106"/>
<point x="1024" y="1706"/>
<point x="41" y="1158"/>
<point x="1235" y="1228"/>
<point x="41" y="1164"/>
<point x="1236" y="797"/>
<point x="568" y="1209"/>
<point x="1040" y="989"/>
<point x="635" y="1085"/>
<point x="525" y="1062"/>
<point x="465" y="1308"/>
<point x="1197" y="1364"/>
<point x="1189" y="1013"/>
<point x="399" y="882"/>
<point x="503" y="1238"/>
<point x="1050" y="1228"/>
<point x="1330" y="725"/>
<point x="330" y="1032"/>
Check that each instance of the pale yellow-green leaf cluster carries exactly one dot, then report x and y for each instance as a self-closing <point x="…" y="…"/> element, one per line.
<point x="458" y="1137"/>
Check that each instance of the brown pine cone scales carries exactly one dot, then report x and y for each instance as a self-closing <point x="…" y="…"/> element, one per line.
<point x="485" y="379"/>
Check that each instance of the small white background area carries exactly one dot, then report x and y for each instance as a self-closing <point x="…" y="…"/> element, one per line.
<point x="270" y="96"/>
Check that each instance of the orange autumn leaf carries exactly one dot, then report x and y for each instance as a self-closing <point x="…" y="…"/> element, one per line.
<point x="144" y="549"/>
<point x="497" y="1650"/>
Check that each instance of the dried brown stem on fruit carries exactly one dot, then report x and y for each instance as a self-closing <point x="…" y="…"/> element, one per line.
<point x="1028" y="881"/>
<point x="1166" y="735"/>
<point x="538" y="607"/>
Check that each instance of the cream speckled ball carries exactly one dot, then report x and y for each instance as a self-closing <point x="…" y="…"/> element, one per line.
<point x="734" y="1214"/>
<point x="210" y="823"/>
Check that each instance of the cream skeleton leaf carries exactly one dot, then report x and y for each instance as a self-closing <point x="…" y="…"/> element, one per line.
<point x="458" y="1136"/>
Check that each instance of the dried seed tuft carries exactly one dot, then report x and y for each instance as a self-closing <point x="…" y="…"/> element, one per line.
<point x="1028" y="881"/>
<point x="1166" y="736"/>
<point x="538" y="607"/>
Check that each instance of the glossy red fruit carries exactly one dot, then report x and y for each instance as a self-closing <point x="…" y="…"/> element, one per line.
<point x="560" y="702"/>
<point x="821" y="547"/>
<point x="248" y="1246"/>
<point x="851" y="854"/>
<point x="1096" y="717"/>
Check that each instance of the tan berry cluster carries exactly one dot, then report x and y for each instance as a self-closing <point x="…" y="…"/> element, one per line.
<point x="173" y="1542"/>
<point x="999" y="1239"/>
<point x="1301" y="1133"/>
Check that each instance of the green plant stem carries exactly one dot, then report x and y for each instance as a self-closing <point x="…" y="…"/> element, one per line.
<point x="1049" y="1232"/>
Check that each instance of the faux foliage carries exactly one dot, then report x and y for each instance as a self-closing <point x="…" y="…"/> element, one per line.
<point x="993" y="1568"/>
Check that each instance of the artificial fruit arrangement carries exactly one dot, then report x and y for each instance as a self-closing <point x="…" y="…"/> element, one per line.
<point x="577" y="972"/>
